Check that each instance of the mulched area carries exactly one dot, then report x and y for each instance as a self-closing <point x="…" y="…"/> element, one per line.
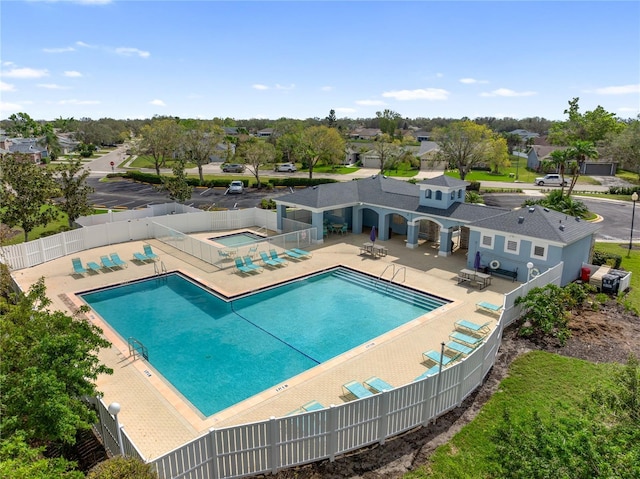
<point x="609" y="334"/>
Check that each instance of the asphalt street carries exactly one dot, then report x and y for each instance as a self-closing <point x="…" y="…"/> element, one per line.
<point x="616" y="215"/>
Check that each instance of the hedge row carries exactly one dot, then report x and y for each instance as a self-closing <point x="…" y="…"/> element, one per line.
<point x="224" y="182"/>
<point x="623" y="190"/>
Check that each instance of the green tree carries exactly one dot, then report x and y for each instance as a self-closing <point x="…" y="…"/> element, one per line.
<point x="331" y="119"/>
<point x="513" y="141"/>
<point x="388" y="121"/>
<point x="322" y="144"/>
<point x="624" y="146"/>
<point x="463" y="144"/>
<point x="49" y="364"/>
<point x="579" y="151"/>
<point x="199" y="143"/>
<point x="498" y="153"/>
<point x="20" y="461"/>
<point x="593" y="126"/>
<point x="21" y="124"/>
<point x="161" y="140"/>
<point x="74" y="190"/>
<point x="122" y="468"/>
<point x="561" y="159"/>
<point x="50" y="142"/>
<point x="177" y="185"/>
<point x="26" y="194"/>
<point x="255" y="153"/>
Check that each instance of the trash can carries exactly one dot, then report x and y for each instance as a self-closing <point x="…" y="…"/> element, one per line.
<point x="584" y="274"/>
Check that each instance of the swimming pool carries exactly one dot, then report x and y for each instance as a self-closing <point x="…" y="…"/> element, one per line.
<point x="217" y="352"/>
<point x="237" y="239"/>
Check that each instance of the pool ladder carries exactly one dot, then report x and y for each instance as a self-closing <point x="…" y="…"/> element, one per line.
<point x="394" y="272"/>
<point x="137" y="348"/>
<point x="159" y="269"/>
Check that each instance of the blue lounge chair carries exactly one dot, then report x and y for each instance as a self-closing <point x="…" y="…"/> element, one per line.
<point x="107" y="263"/>
<point x="77" y="266"/>
<point x="275" y="257"/>
<point x="149" y="252"/>
<point x="471" y="326"/>
<point x="354" y="388"/>
<point x="268" y="261"/>
<point x="458" y="347"/>
<point x="241" y="267"/>
<point x="251" y="265"/>
<point x="115" y="257"/>
<point x="491" y="308"/>
<point x="436" y="357"/>
<point x="94" y="266"/>
<point x="377" y="385"/>
<point x="141" y="257"/>
<point x="301" y="252"/>
<point x="429" y="372"/>
<point x="312" y="406"/>
<point x="465" y="338"/>
<point x="292" y="254"/>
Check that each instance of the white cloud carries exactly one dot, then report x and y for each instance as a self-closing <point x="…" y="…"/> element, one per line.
<point x="418" y="94"/>
<point x="627" y="109"/>
<point x="258" y="86"/>
<point x="52" y="86"/>
<point x="618" y="90"/>
<point x="326" y="88"/>
<point x="129" y="52"/>
<point x="83" y="44"/>
<point x="72" y="74"/>
<point x="7" y="86"/>
<point x="157" y="103"/>
<point x="507" y="93"/>
<point x="59" y="50"/>
<point x="471" y="81"/>
<point x="6" y="107"/>
<point x="78" y="102"/>
<point x="346" y="110"/>
<point x="284" y="87"/>
<point x="25" y="73"/>
<point x="370" y="102"/>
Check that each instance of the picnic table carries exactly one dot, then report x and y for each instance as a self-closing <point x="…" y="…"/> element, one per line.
<point x="474" y="277"/>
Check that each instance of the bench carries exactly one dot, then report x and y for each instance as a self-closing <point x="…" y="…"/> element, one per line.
<point x="507" y="273"/>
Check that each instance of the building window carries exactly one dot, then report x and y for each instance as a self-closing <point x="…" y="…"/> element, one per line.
<point x="438" y="195"/>
<point x="538" y="251"/>
<point x="512" y="246"/>
<point x="459" y="194"/>
<point x="453" y="195"/>
<point x="427" y="194"/>
<point x="487" y="241"/>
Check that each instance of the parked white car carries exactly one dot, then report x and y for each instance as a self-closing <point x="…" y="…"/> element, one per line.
<point x="236" y="186"/>
<point x="290" y="167"/>
<point x="551" y="179"/>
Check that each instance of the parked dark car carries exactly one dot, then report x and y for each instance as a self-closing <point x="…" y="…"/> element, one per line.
<point x="232" y="168"/>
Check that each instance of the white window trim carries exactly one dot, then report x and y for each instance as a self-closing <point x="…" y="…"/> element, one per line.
<point x="486" y="235"/>
<point x="516" y="241"/>
<point x="533" y="248"/>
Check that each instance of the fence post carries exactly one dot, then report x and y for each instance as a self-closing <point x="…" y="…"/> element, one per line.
<point x="384" y="416"/>
<point x="332" y="443"/>
<point x="272" y="432"/>
<point x="213" y="453"/>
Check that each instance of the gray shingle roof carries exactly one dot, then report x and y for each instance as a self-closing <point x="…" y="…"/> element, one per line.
<point x="386" y="192"/>
<point x="539" y="222"/>
<point x="444" y="180"/>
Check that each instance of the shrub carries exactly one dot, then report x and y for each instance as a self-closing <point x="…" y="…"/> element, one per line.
<point x="601" y="258"/>
<point x="122" y="468"/>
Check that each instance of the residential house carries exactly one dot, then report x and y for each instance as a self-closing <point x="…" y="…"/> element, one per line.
<point x="365" y="134"/>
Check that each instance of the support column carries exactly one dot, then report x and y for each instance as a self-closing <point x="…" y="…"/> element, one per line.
<point x="316" y="221"/>
<point x="413" y="229"/>
<point x="282" y="213"/>
<point x="445" y="242"/>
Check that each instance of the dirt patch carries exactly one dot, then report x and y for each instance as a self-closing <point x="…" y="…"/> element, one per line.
<point x="609" y="334"/>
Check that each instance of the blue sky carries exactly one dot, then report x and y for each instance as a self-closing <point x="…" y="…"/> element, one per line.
<point x="266" y="59"/>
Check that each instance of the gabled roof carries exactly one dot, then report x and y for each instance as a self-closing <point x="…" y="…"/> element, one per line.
<point x="538" y="222"/>
<point x="427" y="147"/>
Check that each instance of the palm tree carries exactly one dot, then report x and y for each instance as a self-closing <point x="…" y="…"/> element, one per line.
<point x="50" y="142"/>
<point x="561" y="159"/>
<point x="579" y="151"/>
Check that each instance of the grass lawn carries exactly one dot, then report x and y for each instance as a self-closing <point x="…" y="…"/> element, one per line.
<point x="550" y="384"/>
<point x="60" y="224"/>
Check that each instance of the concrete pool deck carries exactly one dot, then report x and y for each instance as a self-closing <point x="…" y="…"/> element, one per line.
<point x="158" y="419"/>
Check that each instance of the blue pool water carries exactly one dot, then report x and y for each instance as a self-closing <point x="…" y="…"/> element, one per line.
<point x="237" y="239"/>
<point x="218" y="352"/>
